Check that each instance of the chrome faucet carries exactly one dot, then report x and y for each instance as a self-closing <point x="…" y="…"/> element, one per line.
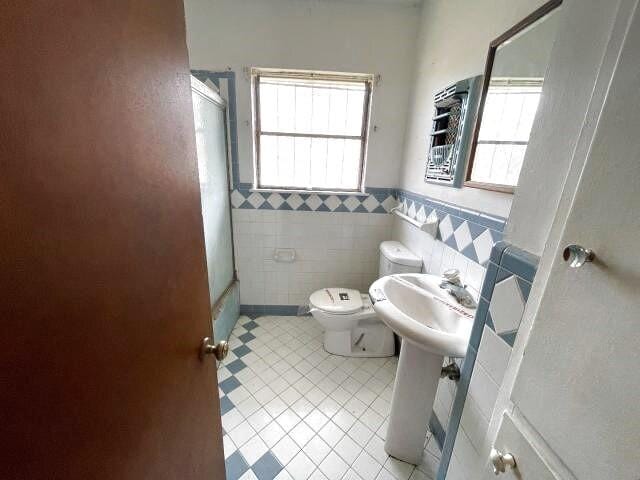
<point x="451" y="283"/>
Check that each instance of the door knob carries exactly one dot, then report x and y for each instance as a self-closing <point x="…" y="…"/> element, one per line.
<point x="219" y="350"/>
<point x="577" y="255"/>
<point x="501" y="461"/>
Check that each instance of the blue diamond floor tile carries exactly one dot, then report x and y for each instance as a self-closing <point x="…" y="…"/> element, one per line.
<point x="247" y="337"/>
<point x="225" y="405"/>
<point x="267" y="467"/>
<point x="229" y="385"/>
<point x="235" y="366"/>
<point x="241" y="351"/>
<point x="250" y="325"/>
<point x="236" y="465"/>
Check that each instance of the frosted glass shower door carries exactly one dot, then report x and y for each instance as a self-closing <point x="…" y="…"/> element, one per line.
<point x="209" y="117"/>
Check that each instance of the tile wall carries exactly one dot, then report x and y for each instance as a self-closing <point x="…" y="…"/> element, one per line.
<point x="504" y="295"/>
<point x="332" y="249"/>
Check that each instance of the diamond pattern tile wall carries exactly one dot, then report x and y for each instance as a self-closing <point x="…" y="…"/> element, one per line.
<point x="377" y="201"/>
<point x="470" y="233"/>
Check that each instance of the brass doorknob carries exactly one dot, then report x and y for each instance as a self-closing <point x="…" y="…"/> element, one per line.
<point x="219" y="350"/>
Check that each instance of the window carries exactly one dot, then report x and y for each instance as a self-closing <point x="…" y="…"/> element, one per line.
<point x="310" y="129"/>
<point x="509" y="110"/>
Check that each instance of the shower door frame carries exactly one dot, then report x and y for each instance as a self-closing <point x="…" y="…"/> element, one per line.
<point x="215" y="98"/>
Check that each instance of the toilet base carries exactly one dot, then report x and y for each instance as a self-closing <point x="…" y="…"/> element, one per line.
<point x="374" y="339"/>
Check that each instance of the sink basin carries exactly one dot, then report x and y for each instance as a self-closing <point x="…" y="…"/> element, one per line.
<point x="417" y="309"/>
<point x="433" y="325"/>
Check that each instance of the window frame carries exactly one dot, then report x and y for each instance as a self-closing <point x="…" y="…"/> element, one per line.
<point x="493" y="48"/>
<point x="359" y="78"/>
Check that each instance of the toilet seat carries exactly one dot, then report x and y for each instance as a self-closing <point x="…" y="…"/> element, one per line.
<point x="337" y="301"/>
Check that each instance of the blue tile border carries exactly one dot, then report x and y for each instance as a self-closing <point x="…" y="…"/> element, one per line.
<point x="254" y="311"/>
<point x="472" y="233"/>
<point x="436" y="428"/>
<point x="374" y="200"/>
<point x="506" y="260"/>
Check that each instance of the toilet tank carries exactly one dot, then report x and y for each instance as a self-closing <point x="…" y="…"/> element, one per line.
<point x="396" y="258"/>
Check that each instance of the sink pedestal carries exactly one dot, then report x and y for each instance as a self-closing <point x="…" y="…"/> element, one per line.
<point x="414" y="392"/>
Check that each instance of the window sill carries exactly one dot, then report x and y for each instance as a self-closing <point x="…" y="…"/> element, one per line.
<point x="318" y="192"/>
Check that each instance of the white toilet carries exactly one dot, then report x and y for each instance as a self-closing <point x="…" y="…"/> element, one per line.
<point x="351" y="327"/>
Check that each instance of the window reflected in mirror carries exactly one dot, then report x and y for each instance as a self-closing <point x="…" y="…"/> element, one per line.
<point x="514" y="76"/>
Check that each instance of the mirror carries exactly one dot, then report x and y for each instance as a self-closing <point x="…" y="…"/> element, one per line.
<point x="512" y="87"/>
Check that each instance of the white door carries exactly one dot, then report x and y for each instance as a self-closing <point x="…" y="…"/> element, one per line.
<point x="576" y="396"/>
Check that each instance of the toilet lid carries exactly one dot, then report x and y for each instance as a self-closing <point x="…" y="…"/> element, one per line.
<point x="337" y="300"/>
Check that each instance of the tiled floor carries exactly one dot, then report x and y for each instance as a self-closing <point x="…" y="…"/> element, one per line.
<point x="292" y="411"/>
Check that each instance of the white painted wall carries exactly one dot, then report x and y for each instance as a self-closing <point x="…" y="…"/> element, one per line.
<point x="568" y="88"/>
<point x="560" y="143"/>
<point x="361" y="37"/>
<point x="452" y="45"/>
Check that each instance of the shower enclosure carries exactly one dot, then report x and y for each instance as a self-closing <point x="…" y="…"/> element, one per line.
<point x="209" y="111"/>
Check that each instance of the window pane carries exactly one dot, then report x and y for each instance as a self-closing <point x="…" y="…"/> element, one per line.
<point x="268" y="107"/>
<point x="350" y="170"/>
<point x="482" y="163"/>
<point x="318" y="162"/>
<point x="355" y="106"/>
<point x="268" y="160"/>
<point x="303" y="109"/>
<point x="308" y="107"/>
<point x="302" y="164"/>
<point x="337" y="111"/>
<point x="285" y="160"/>
<point x="286" y="108"/>
<point x="320" y="115"/>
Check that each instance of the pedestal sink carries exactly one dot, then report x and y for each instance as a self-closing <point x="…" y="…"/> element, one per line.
<point x="432" y="325"/>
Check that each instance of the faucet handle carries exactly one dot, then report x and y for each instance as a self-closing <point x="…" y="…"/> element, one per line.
<point x="452" y="275"/>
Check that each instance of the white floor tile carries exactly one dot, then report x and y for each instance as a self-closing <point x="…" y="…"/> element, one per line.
<point x="331" y="433"/>
<point x="259" y="419"/>
<point x="253" y="450"/>
<point x="400" y="470"/>
<point x="316" y="419"/>
<point x="300" y="467"/>
<point x="285" y="450"/>
<point x="348" y="449"/>
<point x="366" y="466"/>
<point x="375" y="448"/>
<point x="302" y="407"/>
<point x="288" y="419"/>
<point x="242" y="433"/>
<point x="301" y="434"/>
<point x="316" y="449"/>
<point x="333" y="466"/>
<point x="272" y="433"/>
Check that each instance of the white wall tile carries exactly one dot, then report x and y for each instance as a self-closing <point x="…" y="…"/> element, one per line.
<point x="332" y="249"/>
<point x="473" y="423"/>
<point x="493" y="354"/>
<point x="469" y="458"/>
<point x="483" y="389"/>
<point x="507" y="305"/>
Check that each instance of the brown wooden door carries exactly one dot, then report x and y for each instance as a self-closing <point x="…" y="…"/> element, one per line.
<point x="102" y="265"/>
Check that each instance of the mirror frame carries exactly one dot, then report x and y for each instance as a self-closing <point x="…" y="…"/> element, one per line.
<point x="493" y="47"/>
